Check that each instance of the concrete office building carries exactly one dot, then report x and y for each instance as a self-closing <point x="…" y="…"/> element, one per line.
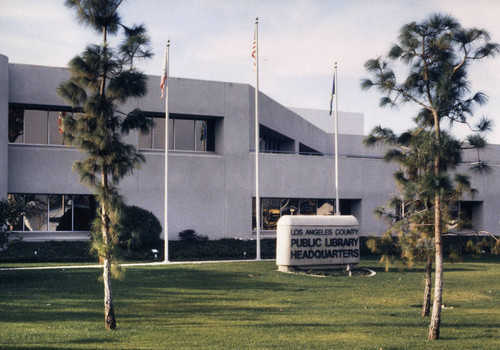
<point x="211" y="163"/>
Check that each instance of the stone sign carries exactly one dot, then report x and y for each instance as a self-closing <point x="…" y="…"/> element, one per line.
<point x="317" y="242"/>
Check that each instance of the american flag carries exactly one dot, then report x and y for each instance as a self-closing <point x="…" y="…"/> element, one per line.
<point x="254" y="48"/>
<point x="165" y="72"/>
<point x="163" y="80"/>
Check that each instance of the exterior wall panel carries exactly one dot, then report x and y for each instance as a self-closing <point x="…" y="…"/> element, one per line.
<point x="237" y="169"/>
<point x="212" y="192"/>
<point x="4" y="123"/>
<point x="43" y="169"/>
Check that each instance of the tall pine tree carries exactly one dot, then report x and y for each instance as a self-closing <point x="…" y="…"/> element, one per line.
<point x="409" y="212"/>
<point x="437" y="52"/>
<point x="101" y="79"/>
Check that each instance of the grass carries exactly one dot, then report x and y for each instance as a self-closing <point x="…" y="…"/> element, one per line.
<point x="248" y="305"/>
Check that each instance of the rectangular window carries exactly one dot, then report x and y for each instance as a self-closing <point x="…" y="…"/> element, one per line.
<point x="159" y="133"/>
<point x="56" y="212"/>
<point x="184" y="135"/>
<point x="155" y="139"/>
<point x="35" y="126"/>
<point x="65" y="221"/>
<point x="84" y="208"/>
<point x="466" y="215"/>
<point x="307" y="207"/>
<point x="37" y="212"/>
<point x="289" y="206"/>
<point x="272" y="141"/>
<point x="326" y="207"/>
<point x="274" y="208"/>
<point x="201" y="135"/>
<point x="16" y="125"/>
<point x="146" y="140"/>
<point x="269" y="145"/>
<point x="270" y="213"/>
<point x="16" y="198"/>
<point x="305" y="150"/>
<point x="55" y="132"/>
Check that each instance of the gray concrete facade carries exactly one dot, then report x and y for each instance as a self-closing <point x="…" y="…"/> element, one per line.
<point x="211" y="192"/>
<point x="4" y="123"/>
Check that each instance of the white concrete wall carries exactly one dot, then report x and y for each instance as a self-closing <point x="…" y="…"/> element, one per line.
<point x="196" y="185"/>
<point x="43" y="169"/>
<point x="36" y="84"/>
<point x="349" y="123"/>
<point x="4" y="123"/>
<point x="212" y="192"/>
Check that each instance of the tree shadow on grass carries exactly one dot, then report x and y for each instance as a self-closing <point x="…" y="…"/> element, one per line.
<point x="37" y="347"/>
<point x="52" y="295"/>
<point x="36" y="314"/>
<point x="65" y="344"/>
<point x="193" y="279"/>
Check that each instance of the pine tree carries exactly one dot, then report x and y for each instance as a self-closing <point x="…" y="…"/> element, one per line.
<point x="410" y="212"/>
<point x="437" y="52"/>
<point x="101" y="79"/>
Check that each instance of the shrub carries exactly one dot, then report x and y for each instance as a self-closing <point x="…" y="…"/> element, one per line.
<point x="82" y="220"/>
<point x="11" y="214"/>
<point x="191" y="235"/>
<point x="49" y="251"/>
<point x="220" y="249"/>
<point x="140" y="229"/>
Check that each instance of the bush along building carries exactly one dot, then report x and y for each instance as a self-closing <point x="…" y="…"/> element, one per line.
<point x="211" y="177"/>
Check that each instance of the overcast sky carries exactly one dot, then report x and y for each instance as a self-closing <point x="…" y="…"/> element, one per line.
<point x="299" y="41"/>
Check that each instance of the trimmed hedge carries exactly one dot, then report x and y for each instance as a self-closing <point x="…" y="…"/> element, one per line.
<point x="222" y="249"/>
<point x="65" y="251"/>
<point x="50" y="251"/>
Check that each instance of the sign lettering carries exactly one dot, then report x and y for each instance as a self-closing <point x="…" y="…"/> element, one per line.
<point x="327" y="241"/>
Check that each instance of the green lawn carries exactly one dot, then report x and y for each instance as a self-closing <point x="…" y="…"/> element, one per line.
<point x="248" y="305"/>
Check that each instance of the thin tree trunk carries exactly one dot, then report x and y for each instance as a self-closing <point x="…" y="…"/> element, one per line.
<point x="109" y="310"/>
<point x="438" y="284"/>
<point x="438" y="292"/>
<point x="428" y="285"/>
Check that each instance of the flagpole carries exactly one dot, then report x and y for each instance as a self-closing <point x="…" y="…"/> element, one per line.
<point x="165" y="96"/>
<point x="257" y="136"/>
<point x="337" y="200"/>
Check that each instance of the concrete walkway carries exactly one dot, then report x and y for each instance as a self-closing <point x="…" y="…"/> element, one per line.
<point x="162" y="263"/>
<point x="64" y="267"/>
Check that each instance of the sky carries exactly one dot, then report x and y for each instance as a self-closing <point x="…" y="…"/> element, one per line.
<point x="299" y="41"/>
